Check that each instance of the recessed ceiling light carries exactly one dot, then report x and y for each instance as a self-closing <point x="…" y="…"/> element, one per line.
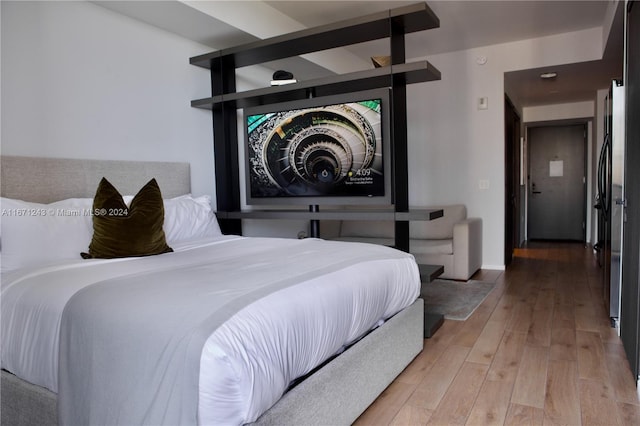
<point x="548" y="75"/>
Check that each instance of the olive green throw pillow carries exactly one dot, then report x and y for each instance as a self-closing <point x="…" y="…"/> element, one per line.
<point x="121" y="231"/>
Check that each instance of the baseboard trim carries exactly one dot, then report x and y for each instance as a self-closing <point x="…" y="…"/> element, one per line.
<point x="494" y="267"/>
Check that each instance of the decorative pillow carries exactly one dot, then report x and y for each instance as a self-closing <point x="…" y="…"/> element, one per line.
<point x="37" y="234"/>
<point x="126" y="231"/>
<point x="188" y="218"/>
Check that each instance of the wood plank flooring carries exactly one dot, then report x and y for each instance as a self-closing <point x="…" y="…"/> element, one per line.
<point x="538" y="351"/>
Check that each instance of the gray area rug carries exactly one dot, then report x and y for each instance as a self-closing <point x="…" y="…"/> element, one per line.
<point x="456" y="300"/>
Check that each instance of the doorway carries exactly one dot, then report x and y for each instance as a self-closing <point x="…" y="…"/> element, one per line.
<point x="512" y="180"/>
<point x="557" y="183"/>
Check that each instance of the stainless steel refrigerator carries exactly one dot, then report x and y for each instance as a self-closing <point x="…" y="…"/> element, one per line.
<point x="611" y="198"/>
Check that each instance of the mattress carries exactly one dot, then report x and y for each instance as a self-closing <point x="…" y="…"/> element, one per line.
<point x="248" y="362"/>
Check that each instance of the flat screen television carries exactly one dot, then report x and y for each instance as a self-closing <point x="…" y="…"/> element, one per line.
<point x="331" y="150"/>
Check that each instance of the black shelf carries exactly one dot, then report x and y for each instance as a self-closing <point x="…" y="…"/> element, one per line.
<point x="402" y="20"/>
<point x="333" y="214"/>
<point x="432" y="320"/>
<point x="419" y="214"/>
<point x="428" y="273"/>
<point x="409" y="73"/>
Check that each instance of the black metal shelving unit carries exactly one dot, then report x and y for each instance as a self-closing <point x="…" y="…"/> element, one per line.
<point x="224" y="101"/>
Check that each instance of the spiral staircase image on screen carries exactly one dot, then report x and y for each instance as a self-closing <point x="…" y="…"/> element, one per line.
<point x="328" y="150"/>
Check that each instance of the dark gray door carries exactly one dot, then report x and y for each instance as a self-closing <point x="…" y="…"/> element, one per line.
<point x="557" y="183"/>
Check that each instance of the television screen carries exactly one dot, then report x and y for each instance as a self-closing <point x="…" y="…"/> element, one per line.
<point x="319" y="150"/>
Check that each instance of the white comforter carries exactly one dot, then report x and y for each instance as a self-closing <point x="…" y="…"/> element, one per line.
<point x="249" y="361"/>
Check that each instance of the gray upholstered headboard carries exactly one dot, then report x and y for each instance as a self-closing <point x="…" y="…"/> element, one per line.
<point x="45" y="180"/>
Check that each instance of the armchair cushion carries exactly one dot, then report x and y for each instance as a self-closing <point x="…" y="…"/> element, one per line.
<point x="418" y="247"/>
<point x="453" y="240"/>
<point x="367" y="228"/>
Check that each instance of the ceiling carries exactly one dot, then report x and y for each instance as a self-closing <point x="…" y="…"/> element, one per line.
<point x="463" y="25"/>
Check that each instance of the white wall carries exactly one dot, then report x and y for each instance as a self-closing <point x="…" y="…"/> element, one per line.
<point x="453" y="145"/>
<point x="80" y="81"/>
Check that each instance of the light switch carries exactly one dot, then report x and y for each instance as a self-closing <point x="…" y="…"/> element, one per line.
<point x="483" y="103"/>
<point x="483" y="184"/>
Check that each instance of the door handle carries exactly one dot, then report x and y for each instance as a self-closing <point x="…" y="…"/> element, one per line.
<point x="537" y="192"/>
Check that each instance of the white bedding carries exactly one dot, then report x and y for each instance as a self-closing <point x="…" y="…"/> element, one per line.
<point x="249" y="361"/>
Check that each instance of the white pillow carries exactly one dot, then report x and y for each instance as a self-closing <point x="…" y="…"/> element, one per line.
<point x="35" y="234"/>
<point x="189" y="218"/>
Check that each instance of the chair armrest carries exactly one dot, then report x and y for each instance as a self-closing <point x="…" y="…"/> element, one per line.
<point x="467" y="246"/>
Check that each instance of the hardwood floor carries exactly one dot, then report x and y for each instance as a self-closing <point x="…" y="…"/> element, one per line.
<point x="538" y="351"/>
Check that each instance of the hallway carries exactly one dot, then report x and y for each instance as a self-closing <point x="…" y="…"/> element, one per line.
<point x="539" y="350"/>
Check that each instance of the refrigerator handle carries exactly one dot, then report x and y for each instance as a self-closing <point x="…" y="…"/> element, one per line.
<point x="602" y="175"/>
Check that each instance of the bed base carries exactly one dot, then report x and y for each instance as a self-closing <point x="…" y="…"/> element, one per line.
<point x="336" y="394"/>
<point x="25" y="404"/>
<point x="343" y="389"/>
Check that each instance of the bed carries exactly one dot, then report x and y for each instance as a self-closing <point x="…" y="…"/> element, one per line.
<point x="313" y="383"/>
